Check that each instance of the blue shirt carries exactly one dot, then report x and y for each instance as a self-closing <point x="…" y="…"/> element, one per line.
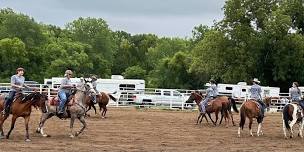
<point x="17" y="80"/>
<point x="295" y="94"/>
<point x="255" y="92"/>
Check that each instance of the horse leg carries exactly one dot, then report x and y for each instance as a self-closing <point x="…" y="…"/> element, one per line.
<point x="2" y="119"/>
<point x="94" y="109"/>
<point x="71" y="125"/>
<point x="209" y="115"/>
<point x="222" y="116"/>
<point x="294" y="121"/>
<point x="43" y="119"/>
<point x="216" y="117"/>
<point x="198" y="118"/>
<point x="250" y="128"/>
<point x="227" y="117"/>
<point x="81" y="119"/>
<point x="284" y="128"/>
<point x="291" y="125"/>
<point x="231" y="115"/>
<point x="104" y="111"/>
<point x="12" y="126"/>
<point x="89" y="108"/>
<point x="26" y="120"/>
<point x="301" y="125"/>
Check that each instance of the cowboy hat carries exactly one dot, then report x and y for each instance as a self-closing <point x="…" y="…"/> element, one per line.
<point x="256" y="80"/>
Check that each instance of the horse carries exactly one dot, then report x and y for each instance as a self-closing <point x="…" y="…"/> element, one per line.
<point x="102" y="99"/>
<point x="250" y="109"/>
<point x="76" y="110"/>
<point x="221" y="104"/>
<point x="22" y="107"/>
<point x="291" y="113"/>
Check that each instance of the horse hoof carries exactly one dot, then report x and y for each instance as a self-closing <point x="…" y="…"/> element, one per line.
<point x="76" y="134"/>
<point x="37" y="131"/>
<point x="103" y="117"/>
<point x="46" y="135"/>
<point x="27" y="140"/>
<point x="72" y="136"/>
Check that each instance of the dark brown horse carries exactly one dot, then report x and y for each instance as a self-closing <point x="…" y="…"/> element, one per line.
<point x="102" y="99"/>
<point x="221" y="104"/>
<point x="250" y="109"/>
<point x="22" y="107"/>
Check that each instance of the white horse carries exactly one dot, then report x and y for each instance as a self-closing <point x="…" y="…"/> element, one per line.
<point x="77" y="109"/>
<point x="291" y="116"/>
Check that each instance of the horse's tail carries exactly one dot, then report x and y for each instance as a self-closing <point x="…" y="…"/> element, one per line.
<point x="286" y="116"/>
<point x="233" y="104"/>
<point x="243" y="118"/>
<point x="113" y="98"/>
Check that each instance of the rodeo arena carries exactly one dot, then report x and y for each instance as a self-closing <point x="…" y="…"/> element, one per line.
<point x="135" y="118"/>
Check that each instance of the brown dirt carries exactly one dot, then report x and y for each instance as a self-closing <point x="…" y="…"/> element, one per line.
<point x="130" y="129"/>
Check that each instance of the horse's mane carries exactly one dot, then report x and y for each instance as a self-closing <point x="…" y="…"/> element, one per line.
<point x="30" y="96"/>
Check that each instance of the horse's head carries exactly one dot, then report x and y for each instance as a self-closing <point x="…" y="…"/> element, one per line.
<point x="38" y="100"/>
<point x="267" y="101"/>
<point x="87" y="87"/>
<point x="194" y="96"/>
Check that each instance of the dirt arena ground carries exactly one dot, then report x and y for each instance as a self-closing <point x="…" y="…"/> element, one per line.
<point x="130" y="129"/>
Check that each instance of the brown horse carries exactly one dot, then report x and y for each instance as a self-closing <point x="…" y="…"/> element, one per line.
<point x="102" y="99"/>
<point x="22" y="107"/>
<point x="250" y="109"/>
<point x="221" y="104"/>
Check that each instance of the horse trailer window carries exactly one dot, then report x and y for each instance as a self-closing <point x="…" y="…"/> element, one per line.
<point x="228" y="88"/>
<point x="127" y="87"/>
<point x="166" y="93"/>
<point x="243" y="90"/>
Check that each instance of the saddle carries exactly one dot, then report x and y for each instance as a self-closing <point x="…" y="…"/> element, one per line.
<point x="54" y="101"/>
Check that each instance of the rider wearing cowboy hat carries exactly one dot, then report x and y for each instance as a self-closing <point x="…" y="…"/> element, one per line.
<point x="211" y="93"/>
<point x="65" y="91"/>
<point x="17" y="84"/>
<point x="94" y="83"/>
<point x="255" y="93"/>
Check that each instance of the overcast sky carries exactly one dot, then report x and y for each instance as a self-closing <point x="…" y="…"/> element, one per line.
<point x="161" y="17"/>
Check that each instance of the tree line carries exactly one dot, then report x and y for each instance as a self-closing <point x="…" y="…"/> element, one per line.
<point x="262" y="39"/>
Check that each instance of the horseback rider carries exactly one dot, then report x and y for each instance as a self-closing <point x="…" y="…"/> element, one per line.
<point x="94" y="83"/>
<point x="17" y="84"/>
<point x="296" y="95"/>
<point x="65" y="91"/>
<point x="255" y="93"/>
<point x="211" y="93"/>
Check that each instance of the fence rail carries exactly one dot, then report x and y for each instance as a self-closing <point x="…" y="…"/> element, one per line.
<point x="125" y="98"/>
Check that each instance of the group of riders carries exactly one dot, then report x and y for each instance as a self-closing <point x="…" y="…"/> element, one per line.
<point x="255" y="93"/>
<point x="17" y="85"/>
<point x="65" y="90"/>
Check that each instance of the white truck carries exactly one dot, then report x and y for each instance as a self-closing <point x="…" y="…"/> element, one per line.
<point x="165" y="97"/>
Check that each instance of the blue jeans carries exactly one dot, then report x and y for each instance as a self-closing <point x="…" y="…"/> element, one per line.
<point x="262" y="107"/>
<point x="63" y="97"/>
<point x="9" y="100"/>
<point x="204" y="104"/>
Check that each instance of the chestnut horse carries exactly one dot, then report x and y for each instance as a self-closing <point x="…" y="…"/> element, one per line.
<point x="221" y="104"/>
<point x="22" y="107"/>
<point x="102" y="99"/>
<point x="250" y="109"/>
<point x="291" y="113"/>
